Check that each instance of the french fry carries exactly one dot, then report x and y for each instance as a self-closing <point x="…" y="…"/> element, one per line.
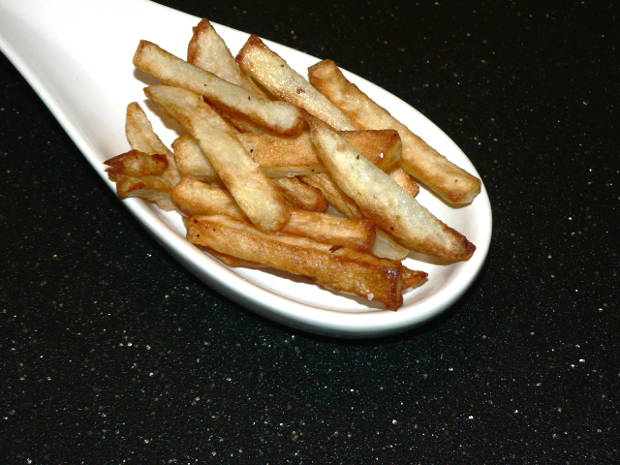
<point x="193" y="198"/>
<point x="139" y="174"/>
<point x="141" y="137"/>
<point x="279" y="117"/>
<point x="253" y="191"/>
<point x="338" y="269"/>
<point x="383" y="201"/>
<point x="294" y="156"/>
<point x="275" y="75"/>
<point x="450" y="182"/>
<point x="301" y="195"/>
<point x="191" y="160"/>
<point x="286" y="156"/>
<point x="136" y="164"/>
<point x="208" y="51"/>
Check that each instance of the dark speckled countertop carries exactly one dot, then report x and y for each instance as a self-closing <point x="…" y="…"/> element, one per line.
<point x="112" y="353"/>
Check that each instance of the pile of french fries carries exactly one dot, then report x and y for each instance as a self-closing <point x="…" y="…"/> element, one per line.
<point x="308" y="176"/>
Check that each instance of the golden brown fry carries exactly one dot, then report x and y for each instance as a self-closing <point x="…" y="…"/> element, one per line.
<point x="193" y="197"/>
<point x="337" y="269"/>
<point x="149" y="188"/>
<point x="208" y="51"/>
<point x="301" y="195"/>
<point x="405" y="181"/>
<point x="275" y="75"/>
<point x="279" y="117"/>
<point x="278" y="157"/>
<point x="135" y="164"/>
<point x="141" y="137"/>
<point x="191" y="160"/>
<point x="385" y="202"/>
<point x="139" y="174"/>
<point x="294" y="156"/>
<point x="253" y="191"/>
<point x="450" y="182"/>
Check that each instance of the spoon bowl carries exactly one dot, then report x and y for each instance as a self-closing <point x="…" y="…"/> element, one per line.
<point x="82" y="70"/>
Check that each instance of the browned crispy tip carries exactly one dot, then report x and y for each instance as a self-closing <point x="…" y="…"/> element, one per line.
<point x="193" y="47"/>
<point x="252" y="41"/>
<point x="136" y="163"/>
<point x="413" y="278"/>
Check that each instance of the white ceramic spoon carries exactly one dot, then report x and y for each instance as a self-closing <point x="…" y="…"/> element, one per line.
<point x="77" y="55"/>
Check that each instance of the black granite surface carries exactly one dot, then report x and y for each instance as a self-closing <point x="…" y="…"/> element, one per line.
<point x="112" y="353"/>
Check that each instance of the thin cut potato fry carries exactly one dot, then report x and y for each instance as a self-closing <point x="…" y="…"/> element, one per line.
<point x="253" y="191"/>
<point x="279" y="117"/>
<point x="301" y="195"/>
<point x="294" y="156"/>
<point x="384" y="246"/>
<point x="136" y="164"/>
<point x="383" y="201"/>
<point x="208" y="51"/>
<point x="450" y="182"/>
<point x="405" y="181"/>
<point x="139" y="174"/>
<point x="191" y="160"/>
<point x="286" y="156"/>
<point x="141" y="137"/>
<point x="337" y="269"/>
<point x="275" y="75"/>
<point x="193" y="197"/>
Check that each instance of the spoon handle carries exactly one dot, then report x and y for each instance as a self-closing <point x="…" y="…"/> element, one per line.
<point x="71" y="53"/>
